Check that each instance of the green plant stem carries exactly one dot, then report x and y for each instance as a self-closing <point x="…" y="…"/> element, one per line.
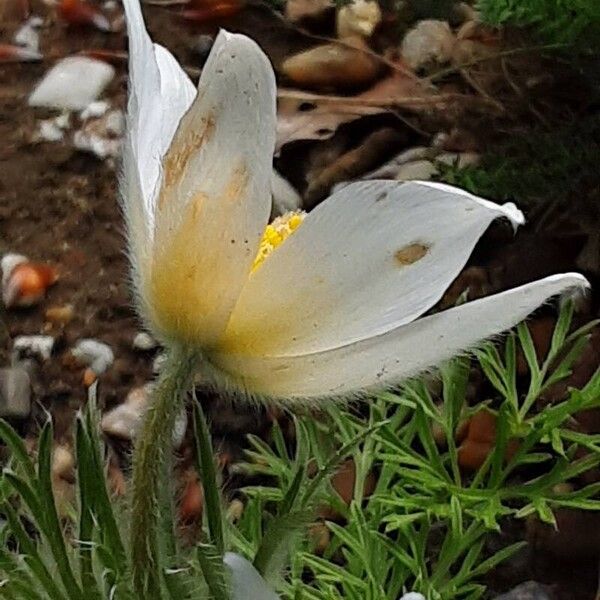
<point x="148" y="473"/>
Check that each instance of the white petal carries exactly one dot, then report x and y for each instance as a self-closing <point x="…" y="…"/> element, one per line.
<point x="374" y="256"/>
<point x="386" y="359"/>
<point x="159" y="94"/>
<point x="215" y="196"/>
<point x="246" y="581"/>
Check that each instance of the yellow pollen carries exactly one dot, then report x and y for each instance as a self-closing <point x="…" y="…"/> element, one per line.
<point x="276" y="233"/>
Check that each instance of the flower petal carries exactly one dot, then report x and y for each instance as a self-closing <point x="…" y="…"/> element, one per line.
<point x="215" y="196"/>
<point x="374" y="256"/>
<point x="386" y="359"/>
<point x="159" y="94"/>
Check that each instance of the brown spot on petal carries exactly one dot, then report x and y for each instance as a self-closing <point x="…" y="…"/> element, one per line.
<point x="236" y="185"/>
<point x="179" y="154"/>
<point x="410" y="254"/>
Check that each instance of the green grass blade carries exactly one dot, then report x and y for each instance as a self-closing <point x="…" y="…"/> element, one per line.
<point x="208" y="473"/>
<point x="213" y="570"/>
<point x="17" y="448"/>
<point x="52" y="528"/>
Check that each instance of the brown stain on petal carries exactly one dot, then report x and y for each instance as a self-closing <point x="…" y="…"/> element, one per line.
<point x="410" y="254"/>
<point x="236" y="186"/>
<point x="179" y="155"/>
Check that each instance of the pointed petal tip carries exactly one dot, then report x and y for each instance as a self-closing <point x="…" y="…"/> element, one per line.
<point x="513" y="214"/>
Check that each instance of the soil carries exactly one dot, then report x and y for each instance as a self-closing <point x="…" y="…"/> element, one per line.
<point x="60" y="206"/>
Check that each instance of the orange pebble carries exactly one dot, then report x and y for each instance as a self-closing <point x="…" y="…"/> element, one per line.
<point x="10" y="53"/>
<point x="472" y="454"/>
<point x="27" y="284"/>
<point x="213" y="11"/>
<point x="482" y="427"/>
<point x="192" y="501"/>
<point x="89" y="377"/>
<point x="112" y="57"/>
<point x="77" y="12"/>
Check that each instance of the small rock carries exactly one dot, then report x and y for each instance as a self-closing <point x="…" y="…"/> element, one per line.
<point x="460" y="160"/>
<point x="49" y="132"/>
<point x="124" y="421"/>
<point x="359" y="17"/>
<point x="94" y="110"/>
<point x="332" y="66"/>
<point x="63" y="463"/>
<point x="413" y="596"/>
<point x="60" y="314"/>
<point x="158" y="362"/>
<point x="422" y="170"/>
<point x="429" y="42"/>
<point x="390" y="168"/>
<point x="32" y="346"/>
<point x="144" y="341"/>
<point x="285" y="197"/>
<point x="25" y="283"/>
<point x="94" y="354"/>
<point x="15" y="393"/>
<point x="530" y="590"/>
<point x="72" y="84"/>
<point x="192" y="499"/>
<point x="10" y="53"/>
<point x="28" y="35"/>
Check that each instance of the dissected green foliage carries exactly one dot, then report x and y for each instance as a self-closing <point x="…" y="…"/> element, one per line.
<point x="562" y="21"/>
<point x="423" y="528"/>
<point x="538" y="166"/>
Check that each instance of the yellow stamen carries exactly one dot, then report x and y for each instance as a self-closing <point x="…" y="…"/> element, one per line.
<point x="276" y="233"/>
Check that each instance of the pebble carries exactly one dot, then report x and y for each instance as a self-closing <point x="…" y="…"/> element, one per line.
<point x="429" y="42"/>
<point x="460" y="160"/>
<point x="63" y="463"/>
<point x="144" y="341"/>
<point x="15" y="393"/>
<point x="72" y="84"/>
<point x="285" y="197"/>
<point x="422" y="170"/>
<point x="60" y="314"/>
<point x="530" y="590"/>
<point x="33" y="346"/>
<point x="124" y="421"/>
<point x="28" y="35"/>
<point x="94" y="354"/>
<point x="360" y="17"/>
<point x="413" y="596"/>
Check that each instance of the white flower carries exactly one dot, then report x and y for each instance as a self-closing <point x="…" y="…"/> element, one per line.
<point x="334" y="309"/>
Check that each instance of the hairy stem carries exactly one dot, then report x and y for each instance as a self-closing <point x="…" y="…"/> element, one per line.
<point x="148" y="474"/>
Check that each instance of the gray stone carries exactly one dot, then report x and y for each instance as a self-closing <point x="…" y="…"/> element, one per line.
<point x="15" y="393"/>
<point x="246" y="581"/>
<point x="422" y="170"/>
<point x="530" y="590"/>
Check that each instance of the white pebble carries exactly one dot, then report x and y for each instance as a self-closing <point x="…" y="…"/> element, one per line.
<point x="428" y="42"/>
<point x="94" y="354"/>
<point x="8" y="263"/>
<point x="96" y="144"/>
<point x="413" y="596"/>
<point x="28" y="35"/>
<point x="94" y="109"/>
<point x="422" y="170"/>
<point x="144" y="341"/>
<point x="72" y="83"/>
<point x="36" y="345"/>
<point x="285" y="197"/>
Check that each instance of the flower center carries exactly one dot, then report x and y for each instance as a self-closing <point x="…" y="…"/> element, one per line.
<point x="276" y="233"/>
